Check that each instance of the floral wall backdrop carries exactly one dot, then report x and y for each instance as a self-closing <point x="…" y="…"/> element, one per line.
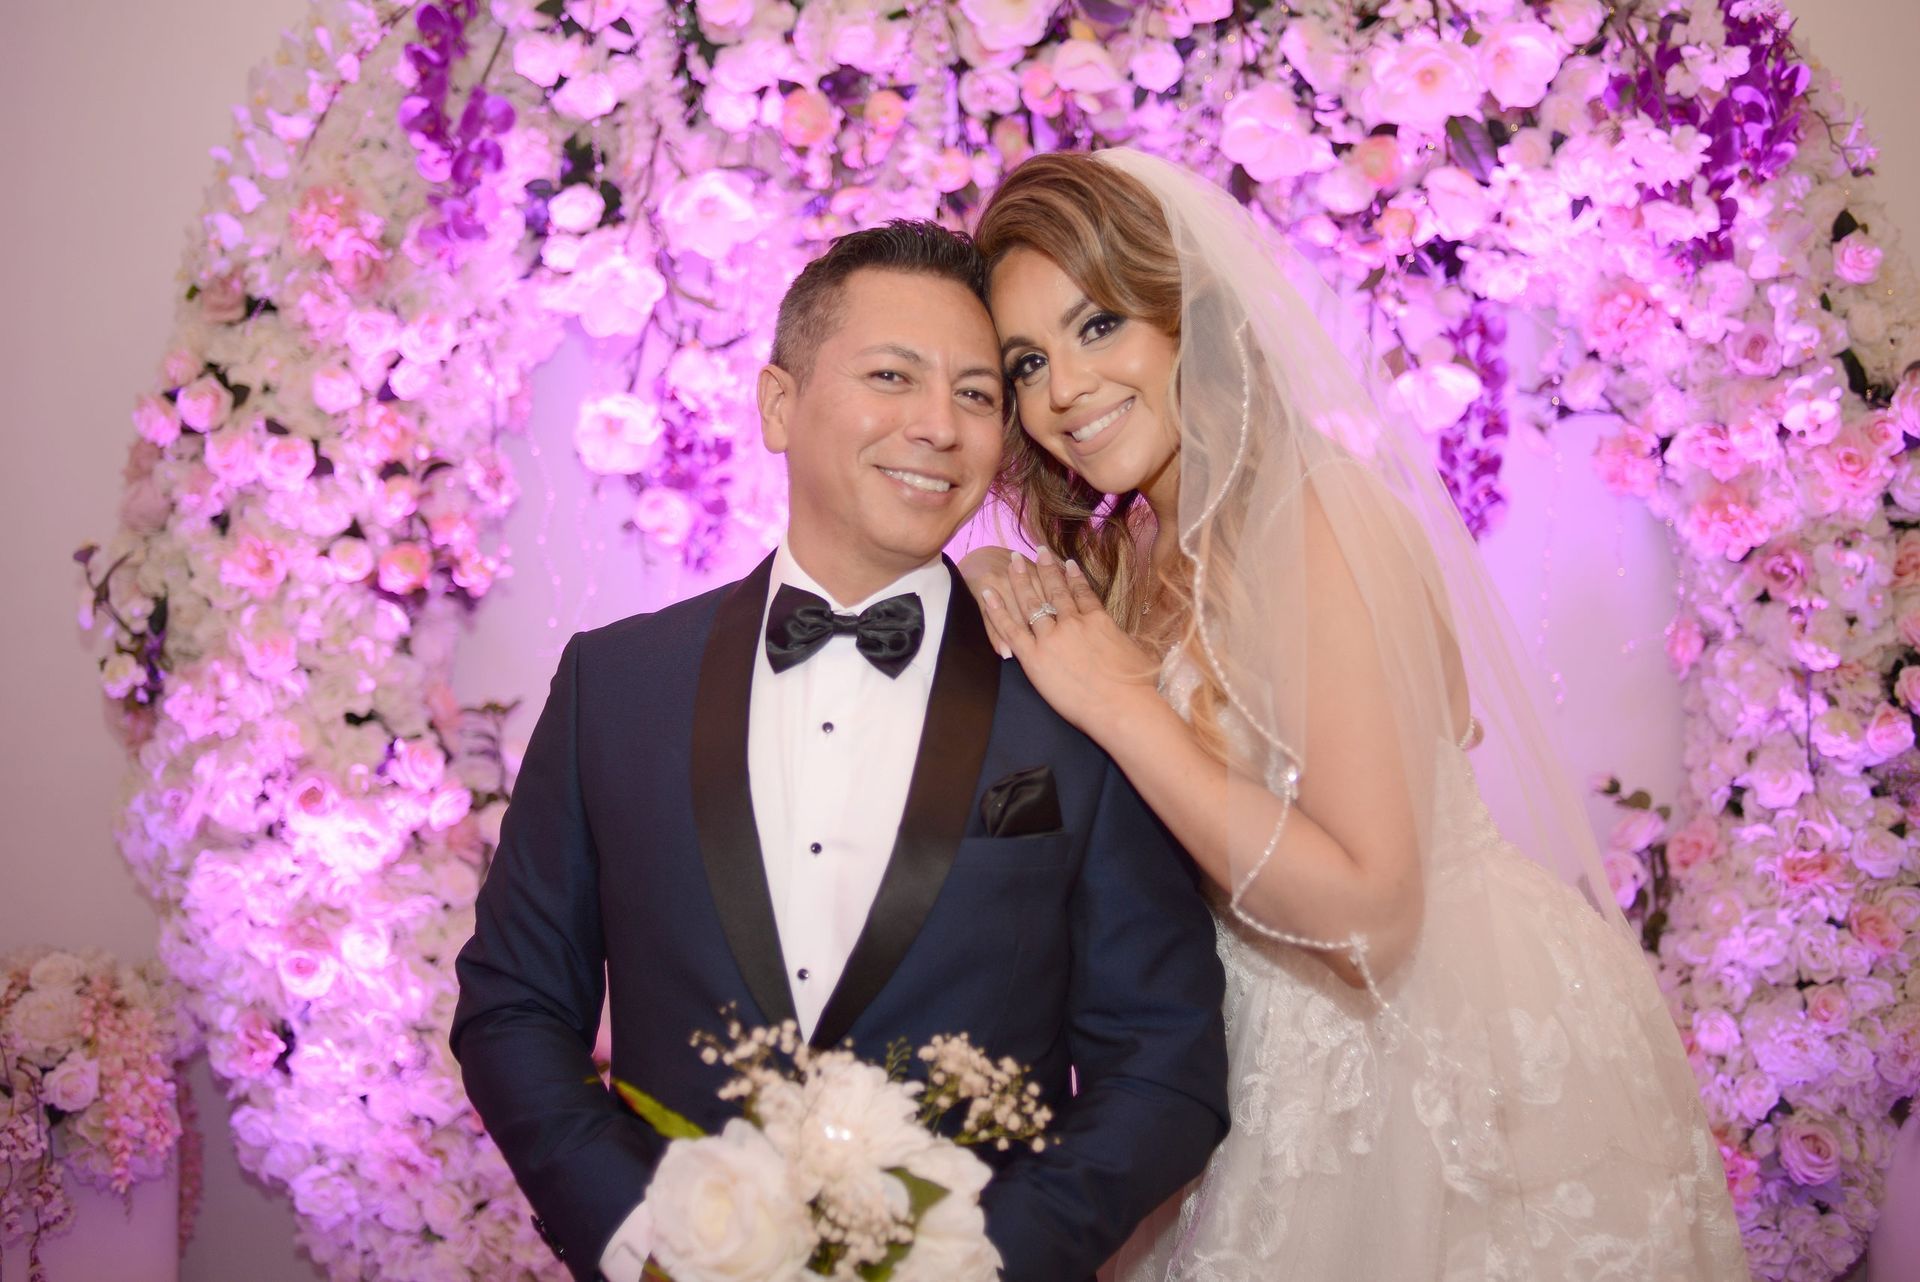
<point x="420" y="196"/>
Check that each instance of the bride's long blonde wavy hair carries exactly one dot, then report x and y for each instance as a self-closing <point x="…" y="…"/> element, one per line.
<point x="1105" y="230"/>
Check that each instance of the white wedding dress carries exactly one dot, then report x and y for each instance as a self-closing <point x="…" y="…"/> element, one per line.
<point x="1522" y="1109"/>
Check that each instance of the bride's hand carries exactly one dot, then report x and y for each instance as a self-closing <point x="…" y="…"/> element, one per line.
<point x="1079" y="659"/>
<point x="984" y="568"/>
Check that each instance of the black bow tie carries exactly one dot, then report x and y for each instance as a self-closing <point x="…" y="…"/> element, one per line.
<point x="887" y="632"/>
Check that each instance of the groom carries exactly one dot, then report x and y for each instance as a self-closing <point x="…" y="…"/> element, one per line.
<point x="817" y="794"/>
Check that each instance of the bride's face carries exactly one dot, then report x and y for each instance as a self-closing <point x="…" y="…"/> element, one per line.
<point x="1090" y="385"/>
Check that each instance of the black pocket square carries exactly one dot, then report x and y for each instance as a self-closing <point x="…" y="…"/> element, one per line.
<point x="1023" y="804"/>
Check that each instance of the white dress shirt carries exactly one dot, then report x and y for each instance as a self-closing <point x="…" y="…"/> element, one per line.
<point x="831" y="746"/>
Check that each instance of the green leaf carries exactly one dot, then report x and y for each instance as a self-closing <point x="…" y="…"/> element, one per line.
<point x="1845" y="225"/>
<point x="1638" y="801"/>
<point x="1471" y="145"/>
<point x="668" y="1123"/>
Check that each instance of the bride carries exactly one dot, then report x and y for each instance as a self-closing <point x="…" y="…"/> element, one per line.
<point x="1251" y="590"/>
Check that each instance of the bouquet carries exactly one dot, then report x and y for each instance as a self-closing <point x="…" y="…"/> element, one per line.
<point x="837" y="1167"/>
<point x="88" y="1052"/>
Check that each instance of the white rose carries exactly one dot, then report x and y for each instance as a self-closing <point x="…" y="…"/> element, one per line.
<point x="1155" y="66"/>
<point x="1867" y="321"/>
<point x="45" y="1021"/>
<point x="57" y="970"/>
<point x="1518" y="61"/>
<point x="73" y="1085"/>
<point x="577" y="208"/>
<point x="950" y="1242"/>
<point x="1008" y="24"/>
<point x="324" y="1196"/>
<point x="1438" y="394"/>
<point x="1265" y="132"/>
<point x="544" y="59"/>
<point x="1421" y="85"/>
<point x="723" y="1212"/>
<point x="1459" y="202"/>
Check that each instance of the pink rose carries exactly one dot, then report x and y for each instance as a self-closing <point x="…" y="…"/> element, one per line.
<point x="350" y="559"/>
<point x="806" y="118"/>
<point x="1266" y="133"/>
<point x="1827" y="1006"/>
<point x="1906" y="560"/>
<point x="287" y="462"/>
<point x="1518" y="60"/>
<point x="1694" y="843"/>
<point x="404" y="568"/>
<point x="1637" y="830"/>
<point x="710" y="212"/>
<point x="250" y="1051"/>
<point x="1856" y="259"/>
<point x="1085" y="67"/>
<point x="663" y="514"/>
<point x="1809" y="1153"/>
<point x="1622" y="318"/>
<point x="1753" y="351"/>
<point x="950" y="170"/>
<point x="1875" y="927"/>
<point x="1889" y="733"/>
<point x="1460" y="203"/>
<point x="884" y="113"/>
<point x="256" y="564"/>
<point x="1008" y="24"/>
<point x="1685" y="642"/>
<point x="156" y="420"/>
<point x="1626" y="462"/>
<point x="1378" y="159"/>
<point x="222" y="300"/>
<point x="1908" y="627"/>
<point x="306" y="973"/>
<point x="204" y="403"/>
<point x="1155" y="66"/>
<point x="1420" y="84"/>
<point x="449" y="805"/>
<point x="616" y="434"/>
<point x="145" y="507"/>
<point x="232" y="454"/>
<point x="418" y="764"/>
<point x="1039" y="91"/>
<point x="1715" y="1032"/>
<point x="1784" y="571"/>
<point x="1905" y="409"/>
<point x="989" y="91"/>
<point x="1906" y="688"/>
<point x="269" y="655"/>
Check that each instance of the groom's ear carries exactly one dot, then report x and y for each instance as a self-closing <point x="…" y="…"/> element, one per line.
<point x="777" y="390"/>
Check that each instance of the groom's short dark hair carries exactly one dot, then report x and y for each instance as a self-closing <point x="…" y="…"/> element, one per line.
<point x="814" y="304"/>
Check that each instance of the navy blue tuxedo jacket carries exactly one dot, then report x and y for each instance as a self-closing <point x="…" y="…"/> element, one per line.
<point x="629" y="858"/>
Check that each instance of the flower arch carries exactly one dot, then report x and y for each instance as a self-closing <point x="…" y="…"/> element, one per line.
<point x="418" y="197"/>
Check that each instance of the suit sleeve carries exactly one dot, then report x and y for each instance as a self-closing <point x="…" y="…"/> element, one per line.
<point x="532" y="979"/>
<point x="1149" y="1052"/>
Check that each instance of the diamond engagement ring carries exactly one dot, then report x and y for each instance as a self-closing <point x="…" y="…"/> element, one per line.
<point x="1045" y="610"/>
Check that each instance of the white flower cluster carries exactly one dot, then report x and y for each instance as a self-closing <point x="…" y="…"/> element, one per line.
<point x="839" y="1166"/>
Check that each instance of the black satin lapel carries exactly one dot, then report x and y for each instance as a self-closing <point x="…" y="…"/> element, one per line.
<point x="946" y="775"/>
<point x="723" y="797"/>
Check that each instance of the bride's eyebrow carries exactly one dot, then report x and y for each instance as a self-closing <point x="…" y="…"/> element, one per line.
<point x="1066" y="319"/>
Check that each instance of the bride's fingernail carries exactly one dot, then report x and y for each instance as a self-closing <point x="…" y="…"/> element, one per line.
<point x="1073" y="567"/>
<point x="1044" y="557"/>
<point x="992" y="597"/>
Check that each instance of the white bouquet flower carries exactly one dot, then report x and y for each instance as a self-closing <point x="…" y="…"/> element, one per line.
<point x="837" y="1167"/>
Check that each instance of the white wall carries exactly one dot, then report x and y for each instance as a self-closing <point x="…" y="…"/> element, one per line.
<point x="109" y="109"/>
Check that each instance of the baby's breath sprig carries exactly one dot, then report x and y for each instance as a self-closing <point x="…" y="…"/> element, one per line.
<point x="1003" y="1107"/>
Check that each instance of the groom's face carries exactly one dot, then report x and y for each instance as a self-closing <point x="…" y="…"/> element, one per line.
<point x="892" y="436"/>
